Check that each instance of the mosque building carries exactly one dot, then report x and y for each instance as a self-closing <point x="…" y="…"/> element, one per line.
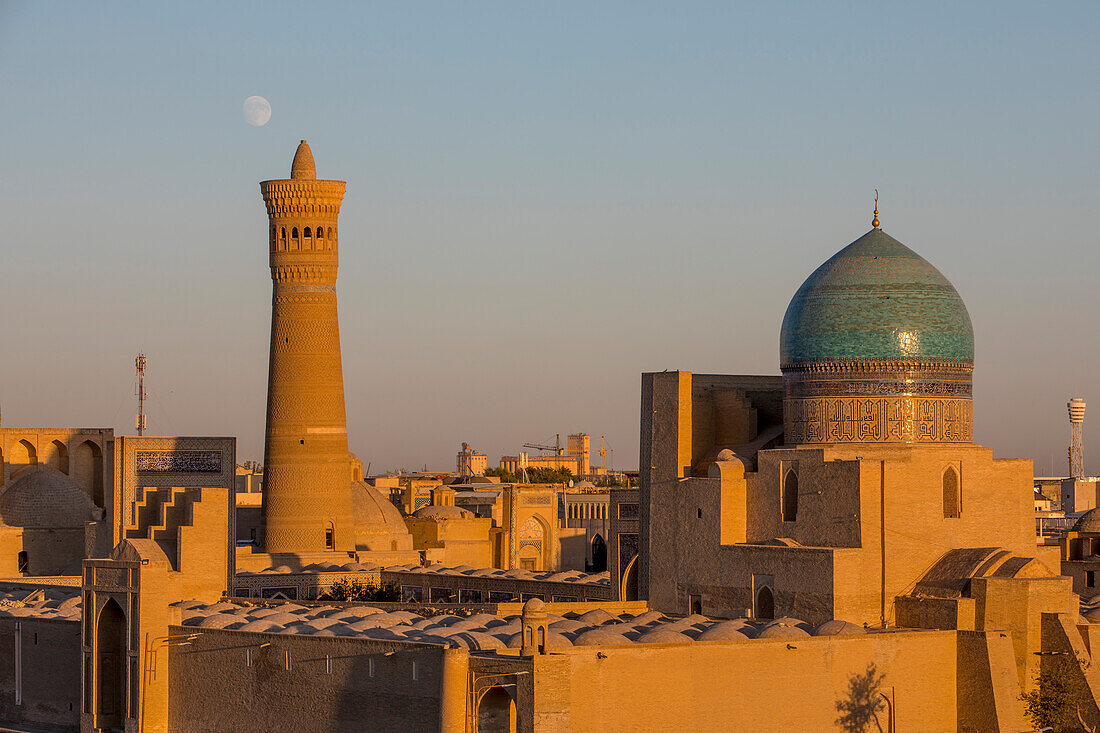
<point x="831" y="492"/>
<point x="790" y="537"/>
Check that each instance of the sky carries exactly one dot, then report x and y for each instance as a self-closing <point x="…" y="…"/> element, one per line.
<point x="544" y="201"/>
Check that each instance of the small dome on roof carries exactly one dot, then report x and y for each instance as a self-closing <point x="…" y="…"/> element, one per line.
<point x="477" y="640"/>
<point x="554" y="641"/>
<point x="378" y="522"/>
<point x="781" y="631"/>
<point x="726" y="631"/>
<point x="303" y="166"/>
<point x="601" y="637"/>
<point x="596" y="616"/>
<point x="436" y="512"/>
<point x="221" y="621"/>
<point x="371" y="508"/>
<point x="839" y="628"/>
<point x="43" y="498"/>
<point x="661" y="635"/>
<point x="1088" y="522"/>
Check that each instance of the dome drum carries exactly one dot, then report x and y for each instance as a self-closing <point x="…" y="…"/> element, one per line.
<point x="893" y="409"/>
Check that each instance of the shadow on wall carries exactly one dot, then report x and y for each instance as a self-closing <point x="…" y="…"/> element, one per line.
<point x="496" y="712"/>
<point x="248" y="681"/>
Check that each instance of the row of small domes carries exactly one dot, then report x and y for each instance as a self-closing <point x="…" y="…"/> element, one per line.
<point x="490" y="632"/>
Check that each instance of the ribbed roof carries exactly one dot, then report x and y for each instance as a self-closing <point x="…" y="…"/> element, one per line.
<point x="876" y="299"/>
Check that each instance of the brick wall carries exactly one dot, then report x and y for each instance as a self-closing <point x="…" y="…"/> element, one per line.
<point x="333" y="684"/>
<point x="50" y="673"/>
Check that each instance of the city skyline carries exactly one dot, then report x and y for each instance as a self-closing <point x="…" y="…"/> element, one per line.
<point x="512" y="223"/>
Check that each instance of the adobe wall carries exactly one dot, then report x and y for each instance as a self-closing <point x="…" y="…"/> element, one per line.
<point x="54" y="551"/>
<point x="751" y="685"/>
<point x="988" y="697"/>
<point x="50" y="673"/>
<point x="249" y="522"/>
<point x="491" y="589"/>
<point x="461" y="541"/>
<point x="1077" y="570"/>
<point x="333" y="684"/>
<point x="801" y="578"/>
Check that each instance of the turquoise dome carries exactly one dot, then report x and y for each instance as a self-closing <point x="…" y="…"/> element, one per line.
<point x="876" y="299"/>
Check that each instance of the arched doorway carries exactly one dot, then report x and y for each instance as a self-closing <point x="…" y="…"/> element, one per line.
<point x="765" y="603"/>
<point x="599" y="554"/>
<point x="629" y="586"/>
<point x="533" y="545"/>
<point x="110" y="675"/>
<point x="496" y="713"/>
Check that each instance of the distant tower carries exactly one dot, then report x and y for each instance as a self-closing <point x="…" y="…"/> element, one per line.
<point x="579" y="446"/>
<point x="139" y="390"/>
<point x="307" y="498"/>
<point x="1076" y="444"/>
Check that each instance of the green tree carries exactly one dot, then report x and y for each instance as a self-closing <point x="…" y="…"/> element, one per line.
<point x="535" y="475"/>
<point x="505" y="476"/>
<point x="860" y="709"/>
<point x="544" y="475"/>
<point x="1056" y="699"/>
<point x="356" y="591"/>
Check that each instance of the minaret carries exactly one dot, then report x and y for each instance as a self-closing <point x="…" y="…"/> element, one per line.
<point x="307" y="497"/>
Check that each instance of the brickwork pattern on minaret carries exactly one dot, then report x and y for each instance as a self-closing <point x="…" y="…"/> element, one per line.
<point x="307" y="501"/>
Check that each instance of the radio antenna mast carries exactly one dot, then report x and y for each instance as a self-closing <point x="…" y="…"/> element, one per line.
<point x="139" y="390"/>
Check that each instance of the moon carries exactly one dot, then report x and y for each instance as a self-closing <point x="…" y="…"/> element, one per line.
<point x="257" y="111"/>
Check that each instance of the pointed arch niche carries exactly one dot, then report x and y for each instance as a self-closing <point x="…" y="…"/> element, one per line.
<point x="789" y="493"/>
<point x="952" y="493"/>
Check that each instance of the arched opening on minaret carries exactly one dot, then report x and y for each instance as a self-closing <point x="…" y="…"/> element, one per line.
<point x="294" y="238"/>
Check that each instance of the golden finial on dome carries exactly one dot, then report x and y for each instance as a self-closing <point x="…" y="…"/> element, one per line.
<point x="874" y="222"/>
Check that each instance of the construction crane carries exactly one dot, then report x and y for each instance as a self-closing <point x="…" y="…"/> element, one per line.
<point x="558" y="450"/>
<point x="605" y="452"/>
